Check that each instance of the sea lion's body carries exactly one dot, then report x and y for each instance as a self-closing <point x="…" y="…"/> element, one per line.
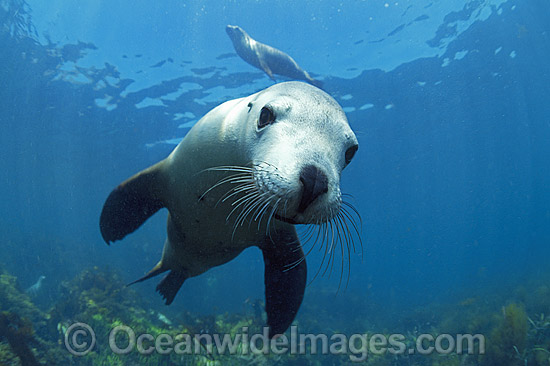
<point x="209" y="224"/>
<point x="36" y="288"/>
<point x="209" y="240"/>
<point x="264" y="57"/>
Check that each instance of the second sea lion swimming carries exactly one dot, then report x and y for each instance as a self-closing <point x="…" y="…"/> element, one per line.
<point x="36" y="288"/>
<point x="243" y="176"/>
<point x="264" y="57"/>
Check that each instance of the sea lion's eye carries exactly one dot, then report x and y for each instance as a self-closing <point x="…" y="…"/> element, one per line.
<point x="266" y="117"/>
<point x="350" y="153"/>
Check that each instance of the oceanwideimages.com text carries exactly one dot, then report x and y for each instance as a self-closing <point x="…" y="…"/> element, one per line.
<point x="80" y="339"/>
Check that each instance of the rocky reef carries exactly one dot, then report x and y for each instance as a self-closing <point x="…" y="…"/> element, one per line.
<point x="516" y="331"/>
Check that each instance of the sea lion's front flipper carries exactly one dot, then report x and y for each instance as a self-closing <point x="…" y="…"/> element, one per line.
<point x="169" y="286"/>
<point x="266" y="68"/>
<point x="285" y="279"/>
<point x="131" y="203"/>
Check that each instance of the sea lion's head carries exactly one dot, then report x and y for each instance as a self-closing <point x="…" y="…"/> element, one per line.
<point x="235" y="32"/>
<point x="299" y="142"/>
<point x="289" y="146"/>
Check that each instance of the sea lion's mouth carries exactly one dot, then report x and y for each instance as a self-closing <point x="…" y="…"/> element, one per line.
<point x="285" y="219"/>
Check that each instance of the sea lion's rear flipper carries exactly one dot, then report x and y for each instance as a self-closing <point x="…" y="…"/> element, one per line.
<point x="169" y="286"/>
<point x="158" y="269"/>
<point x="131" y="203"/>
<point x="285" y="279"/>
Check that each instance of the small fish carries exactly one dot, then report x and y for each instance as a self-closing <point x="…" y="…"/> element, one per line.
<point x="164" y="319"/>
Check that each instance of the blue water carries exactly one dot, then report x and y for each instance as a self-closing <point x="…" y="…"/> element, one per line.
<point x="450" y="102"/>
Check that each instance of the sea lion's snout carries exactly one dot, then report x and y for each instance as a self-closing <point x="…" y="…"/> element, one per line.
<point x="231" y="30"/>
<point x="314" y="183"/>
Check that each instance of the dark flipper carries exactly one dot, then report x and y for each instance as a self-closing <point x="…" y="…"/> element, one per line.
<point x="170" y="285"/>
<point x="131" y="203"/>
<point x="285" y="279"/>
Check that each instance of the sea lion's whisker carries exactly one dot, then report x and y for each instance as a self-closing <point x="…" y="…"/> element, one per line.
<point x="254" y="203"/>
<point x="252" y="200"/>
<point x="294" y="264"/>
<point x="323" y="229"/>
<point x="332" y="238"/>
<point x="355" y="211"/>
<point x="349" y="238"/>
<point x="259" y="211"/>
<point x="324" y="241"/>
<point x="245" y="187"/>
<point x="231" y="192"/>
<point x="338" y="238"/>
<point x="261" y="214"/>
<point x="330" y="263"/>
<point x="223" y="181"/>
<point x="353" y="215"/>
<point x="339" y="230"/>
<point x="355" y="228"/>
<point x="273" y="210"/>
<point x="268" y="164"/>
<point x="335" y="242"/>
<point x="347" y="232"/>
<point x="243" y="200"/>
<point x="309" y="233"/>
<point x="242" y="179"/>
<point x="230" y="168"/>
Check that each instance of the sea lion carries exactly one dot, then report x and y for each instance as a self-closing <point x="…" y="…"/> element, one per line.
<point x="34" y="290"/>
<point x="243" y="176"/>
<point x="269" y="59"/>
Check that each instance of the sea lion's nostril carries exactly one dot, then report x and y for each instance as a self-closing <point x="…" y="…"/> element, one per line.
<point x="314" y="183"/>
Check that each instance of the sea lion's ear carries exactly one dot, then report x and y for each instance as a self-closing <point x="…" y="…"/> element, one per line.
<point x="285" y="279"/>
<point x="131" y="203"/>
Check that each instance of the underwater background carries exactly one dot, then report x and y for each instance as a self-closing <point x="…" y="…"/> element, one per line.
<point x="450" y="102"/>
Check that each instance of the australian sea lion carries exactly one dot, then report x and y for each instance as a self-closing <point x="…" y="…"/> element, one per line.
<point x="266" y="58"/>
<point x="36" y="288"/>
<point x="243" y="176"/>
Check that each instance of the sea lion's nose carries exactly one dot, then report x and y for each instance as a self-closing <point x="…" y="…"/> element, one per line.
<point x="314" y="182"/>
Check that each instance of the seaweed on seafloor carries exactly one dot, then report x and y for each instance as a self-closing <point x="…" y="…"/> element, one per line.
<point x="508" y="340"/>
<point x="99" y="298"/>
<point x="22" y="324"/>
<point x="19" y="334"/>
<point x="14" y="300"/>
